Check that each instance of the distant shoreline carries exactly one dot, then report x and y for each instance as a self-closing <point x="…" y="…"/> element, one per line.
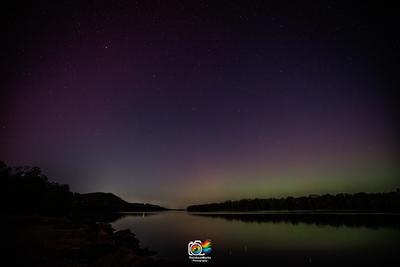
<point x="388" y="202"/>
<point x="338" y="212"/>
<point x="354" y="219"/>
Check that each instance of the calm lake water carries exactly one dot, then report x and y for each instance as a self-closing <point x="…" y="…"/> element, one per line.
<point x="271" y="239"/>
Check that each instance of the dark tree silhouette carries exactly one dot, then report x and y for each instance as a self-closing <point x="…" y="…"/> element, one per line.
<point x="386" y="202"/>
<point x="25" y="190"/>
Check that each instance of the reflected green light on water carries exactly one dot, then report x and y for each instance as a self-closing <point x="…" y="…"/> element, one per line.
<point x="168" y="234"/>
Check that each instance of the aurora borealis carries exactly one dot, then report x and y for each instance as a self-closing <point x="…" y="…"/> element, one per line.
<point x="184" y="103"/>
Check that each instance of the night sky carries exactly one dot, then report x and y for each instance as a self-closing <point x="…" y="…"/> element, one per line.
<point x="186" y="102"/>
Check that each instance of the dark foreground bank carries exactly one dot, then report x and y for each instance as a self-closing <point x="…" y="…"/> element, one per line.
<point x="51" y="241"/>
<point x="48" y="225"/>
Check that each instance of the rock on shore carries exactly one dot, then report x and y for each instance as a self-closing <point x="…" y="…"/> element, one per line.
<point x="41" y="241"/>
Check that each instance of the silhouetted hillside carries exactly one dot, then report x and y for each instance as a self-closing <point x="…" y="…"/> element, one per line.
<point x="25" y="190"/>
<point x="109" y="202"/>
<point x="388" y="202"/>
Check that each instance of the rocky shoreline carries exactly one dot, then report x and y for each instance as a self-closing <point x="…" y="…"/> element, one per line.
<point x="52" y="241"/>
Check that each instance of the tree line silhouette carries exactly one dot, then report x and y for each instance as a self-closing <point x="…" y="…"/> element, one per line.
<point x="26" y="190"/>
<point x="337" y="219"/>
<point x="384" y="202"/>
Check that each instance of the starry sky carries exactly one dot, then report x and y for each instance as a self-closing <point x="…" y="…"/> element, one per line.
<point x="186" y="102"/>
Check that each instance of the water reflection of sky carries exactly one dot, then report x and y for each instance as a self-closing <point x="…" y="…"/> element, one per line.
<point x="236" y="241"/>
